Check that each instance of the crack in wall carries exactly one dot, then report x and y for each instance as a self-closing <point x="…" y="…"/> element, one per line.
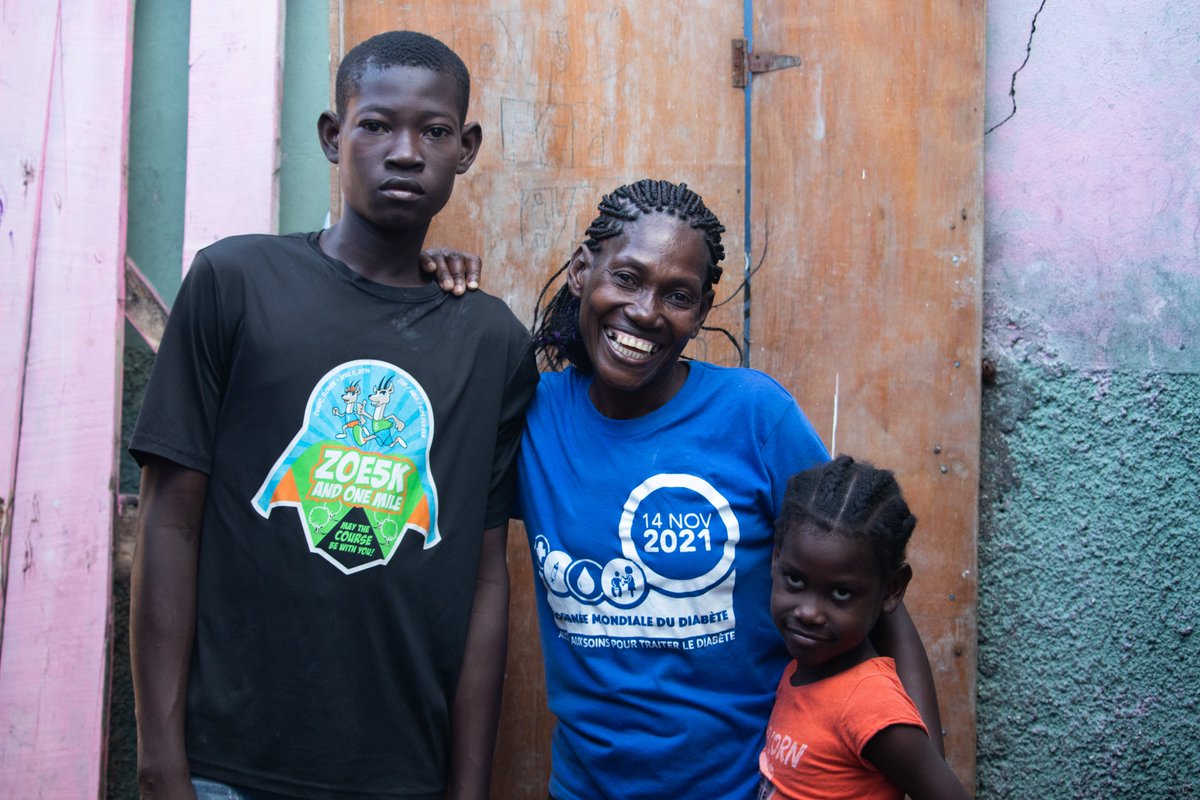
<point x="1012" y="90"/>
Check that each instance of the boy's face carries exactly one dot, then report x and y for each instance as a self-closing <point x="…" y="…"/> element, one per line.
<point x="826" y="596"/>
<point x="399" y="146"/>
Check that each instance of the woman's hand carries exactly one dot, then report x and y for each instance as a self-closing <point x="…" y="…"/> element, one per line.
<point x="455" y="272"/>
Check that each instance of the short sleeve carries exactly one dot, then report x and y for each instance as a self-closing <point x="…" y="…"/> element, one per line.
<point x="518" y="391"/>
<point x="877" y="702"/>
<point x="792" y="446"/>
<point x="179" y="413"/>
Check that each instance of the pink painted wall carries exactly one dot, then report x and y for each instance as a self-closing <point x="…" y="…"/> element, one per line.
<point x="1093" y="187"/>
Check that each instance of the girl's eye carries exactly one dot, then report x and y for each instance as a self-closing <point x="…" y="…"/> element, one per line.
<point x="841" y="595"/>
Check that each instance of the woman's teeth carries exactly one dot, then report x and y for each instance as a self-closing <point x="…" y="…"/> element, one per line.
<point x="631" y="346"/>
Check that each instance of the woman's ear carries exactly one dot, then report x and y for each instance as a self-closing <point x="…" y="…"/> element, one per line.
<point x="896" y="587"/>
<point x="706" y="304"/>
<point x="577" y="269"/>
<point x="329" y="128"/>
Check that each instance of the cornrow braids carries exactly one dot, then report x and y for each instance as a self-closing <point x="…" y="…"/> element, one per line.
<point x="851" y="498"/>
<point x="400" y="49"/>
<point x="556" y="336"/>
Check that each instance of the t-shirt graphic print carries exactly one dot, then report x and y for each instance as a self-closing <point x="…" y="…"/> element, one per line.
<point x="357" y="471"/>
<point x="668" y="581"/>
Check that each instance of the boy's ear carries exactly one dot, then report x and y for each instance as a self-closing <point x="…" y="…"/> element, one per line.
<point x="329" y="128"/>
<point x="897" y="585"/>
<point x="471" y="138"/>
<point x="579" y="264"/>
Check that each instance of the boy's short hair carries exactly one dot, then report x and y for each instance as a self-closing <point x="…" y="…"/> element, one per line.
<point x="400" y="49"/>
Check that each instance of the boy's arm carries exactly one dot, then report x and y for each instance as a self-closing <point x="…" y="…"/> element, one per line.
<point x="476" y="709"/>
<point x="162" y="622"/>
<point x="905" y="755"/>
<point x="896" y="636"/>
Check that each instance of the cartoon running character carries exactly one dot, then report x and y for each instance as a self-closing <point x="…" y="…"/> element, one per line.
<point x="387" y="428"/>
<point x="353" y="412"/>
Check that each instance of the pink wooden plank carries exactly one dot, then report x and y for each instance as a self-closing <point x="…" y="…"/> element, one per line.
<point x="53" y="665"/>
<point x="234" y="89"/>
<point x="27" y="35"/>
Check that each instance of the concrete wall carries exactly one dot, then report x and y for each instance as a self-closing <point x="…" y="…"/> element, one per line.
<point x="1090" y="504"/>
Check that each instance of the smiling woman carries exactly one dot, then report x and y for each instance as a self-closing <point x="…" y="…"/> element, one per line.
<point x="648" y="485"/>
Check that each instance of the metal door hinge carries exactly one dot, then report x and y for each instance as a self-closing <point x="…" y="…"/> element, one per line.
<point x="744" y="63"/>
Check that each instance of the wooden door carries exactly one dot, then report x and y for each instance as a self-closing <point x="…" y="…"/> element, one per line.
<point x="865" y="175"/>
<point x="867" y="198"/>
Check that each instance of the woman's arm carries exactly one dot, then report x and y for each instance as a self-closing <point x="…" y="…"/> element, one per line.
<point x="896" y="636"/>
<point x="454" y="271"/>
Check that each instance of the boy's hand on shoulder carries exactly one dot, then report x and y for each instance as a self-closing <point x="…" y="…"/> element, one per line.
<point x="454" y="271"/>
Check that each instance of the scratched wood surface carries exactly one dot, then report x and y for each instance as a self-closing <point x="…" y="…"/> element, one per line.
<point x="24" y="84"/>
<point x="234" y="99"/>
<point x="55" y="647"/>
<point x="867" y="191"/>
<point x="575" y="99"/>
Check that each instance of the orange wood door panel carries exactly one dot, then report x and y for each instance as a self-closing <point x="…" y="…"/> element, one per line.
<point x="867" y="198"/>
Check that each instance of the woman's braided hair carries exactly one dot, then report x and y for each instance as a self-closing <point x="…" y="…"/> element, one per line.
<point x="556" y="327"/>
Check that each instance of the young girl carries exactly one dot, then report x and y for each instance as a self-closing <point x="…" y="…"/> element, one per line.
<point x="843" y="726"/>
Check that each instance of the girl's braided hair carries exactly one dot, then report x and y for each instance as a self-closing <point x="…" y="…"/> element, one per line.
<point x="851" y="498"/>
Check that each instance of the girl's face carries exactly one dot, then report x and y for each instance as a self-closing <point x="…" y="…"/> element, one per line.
<point x="642" y="299"/>
<point x="826" y="596"/>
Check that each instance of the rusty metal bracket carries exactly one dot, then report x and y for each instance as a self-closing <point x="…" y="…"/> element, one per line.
<point x="745" y="64"/>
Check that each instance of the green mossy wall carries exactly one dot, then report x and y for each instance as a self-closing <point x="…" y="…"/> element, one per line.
<point x="1089" y="558"/>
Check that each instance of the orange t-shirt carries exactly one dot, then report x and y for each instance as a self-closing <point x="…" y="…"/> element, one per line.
<point x="817" y="733"/>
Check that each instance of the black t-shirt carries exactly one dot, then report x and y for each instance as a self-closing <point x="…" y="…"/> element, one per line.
<point x="358" y="439"/>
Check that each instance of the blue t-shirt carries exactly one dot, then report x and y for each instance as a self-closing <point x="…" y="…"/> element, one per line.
<point x="652" y="541"/>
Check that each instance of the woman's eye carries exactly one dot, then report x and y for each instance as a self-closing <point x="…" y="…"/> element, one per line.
<point x="624" y="279"/>
<point x="681" y="299"/>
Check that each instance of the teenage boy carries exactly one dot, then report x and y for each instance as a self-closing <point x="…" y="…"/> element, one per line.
<point x="327" y="444"/>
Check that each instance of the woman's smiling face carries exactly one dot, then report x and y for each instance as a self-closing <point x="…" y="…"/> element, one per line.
<point x="643" y="297"/>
